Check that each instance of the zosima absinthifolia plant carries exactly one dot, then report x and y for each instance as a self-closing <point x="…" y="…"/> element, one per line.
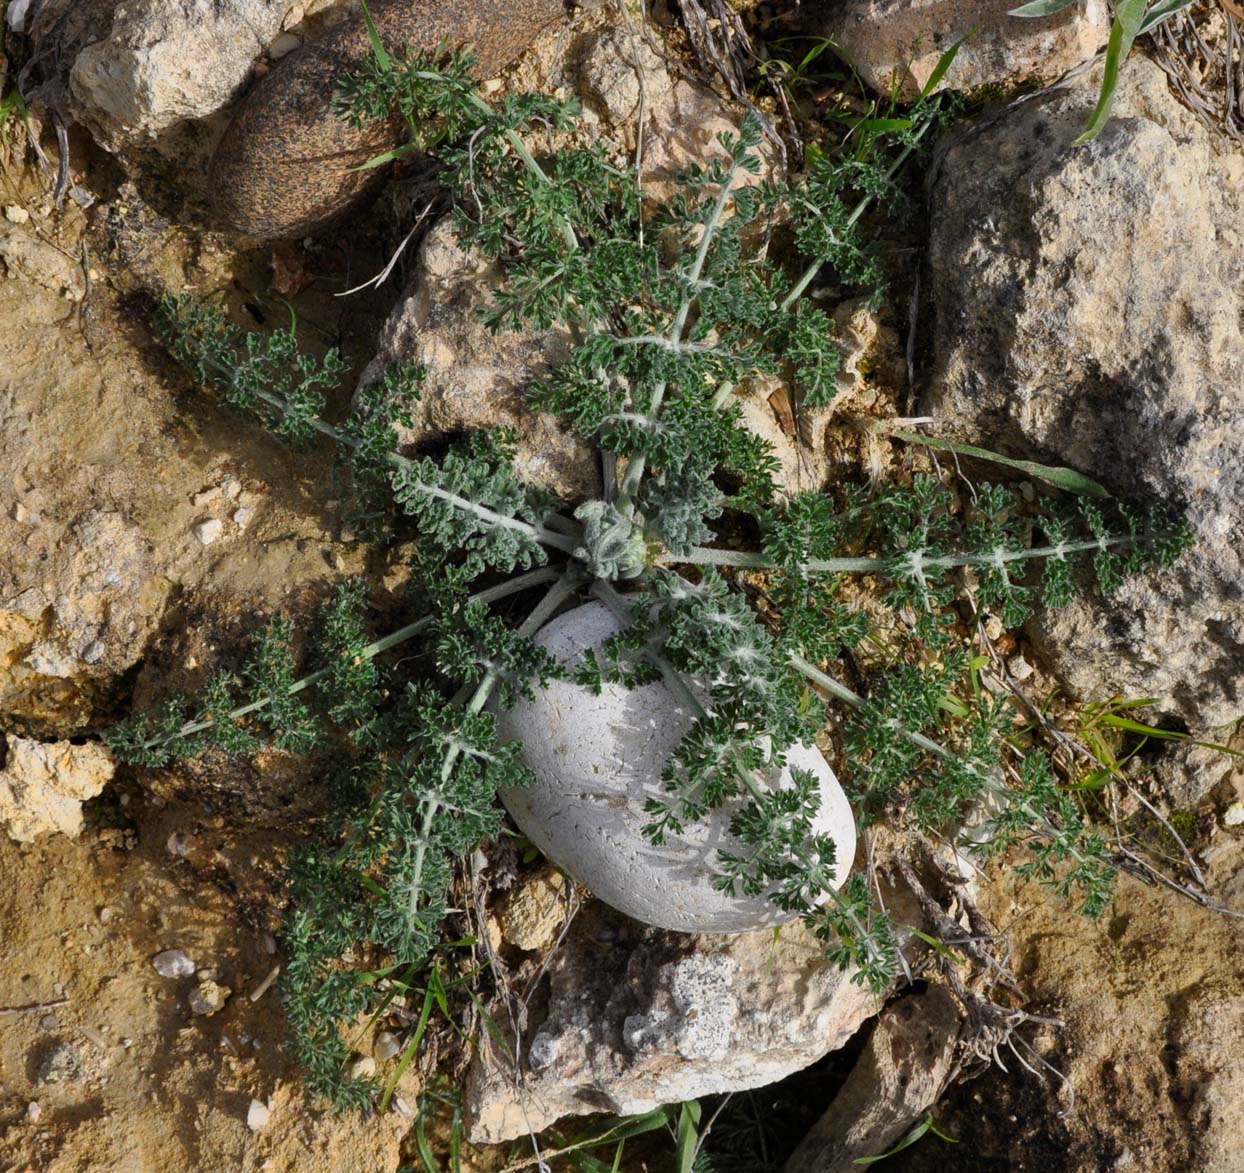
<point x="673" y="304"/>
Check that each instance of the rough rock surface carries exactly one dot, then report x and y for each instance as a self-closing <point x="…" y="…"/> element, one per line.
<point x="78" y="604"/>
<point x="1089" y="304"/>
<point x="901" y="41"/>
<point x="900" y="1074"/>
<point x="533" y="911"/>
<point x="131" y="71"/>
<point x="44" y="784"/>
<point x="476" y="379"/>
<point x="666" y="1018"/>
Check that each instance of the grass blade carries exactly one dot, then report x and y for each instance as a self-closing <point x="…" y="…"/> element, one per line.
<point x="688" y="1135"/>
<point x="1060" y="478"/>
<point x="1128" y="16"/>
<point x="1162" y="11"/>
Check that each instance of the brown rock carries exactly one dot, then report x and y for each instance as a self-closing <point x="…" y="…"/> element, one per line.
<point x="901" y="41"/>
<point x="284" y="166"/>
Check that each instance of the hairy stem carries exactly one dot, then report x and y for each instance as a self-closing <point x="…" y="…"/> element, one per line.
<point x="567" y="583"/>
<point x="503" y="590"/>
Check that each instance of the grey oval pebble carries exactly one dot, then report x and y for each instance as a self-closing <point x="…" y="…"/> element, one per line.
<point x="597" y="759"/>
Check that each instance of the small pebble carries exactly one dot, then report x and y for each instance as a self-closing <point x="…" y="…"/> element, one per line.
<point x="16" y="215"/>
<point x="93" y="652"/>
<point x="994" y="628"/>
<point x="208" y="531"/>
<point x="242" y="516"/>
<point x="24" y="516"/>
<point x="33" y="1112"/>
<point x="208" y="998"/>
<point x="386" y="1046"/>
<point x="1234" y="815"/>
<point x="48" y="1023"/>
<point x="62" y="1062"/>
<point x="177" y="846"/>
<point x="363" y="1068"/>
<point x="257" y="1115"/>
<point x="1019" y="668"/>
<point x="231" y="487"/>
<point x="283" y="45"/>
<point x="173" y="963"/>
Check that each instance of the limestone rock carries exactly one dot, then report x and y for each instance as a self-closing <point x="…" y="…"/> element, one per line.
<point x="43" y="785"/>
<point x="1089" y="303"/>
<point x="901" y="1073"/>
<point x="78" y="604"/>
<point x="476" y="379"/>
<point x="532" y="912"/>
<point x="889" y="41"/>
<point x="632" y="1023"/>
<point x="132" y="71"/>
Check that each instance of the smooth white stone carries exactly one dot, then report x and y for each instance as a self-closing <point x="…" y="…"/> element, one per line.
<point x="597" y="759"/>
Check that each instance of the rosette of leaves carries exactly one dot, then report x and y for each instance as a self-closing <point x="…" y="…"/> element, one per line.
<point x="673" y="304"/>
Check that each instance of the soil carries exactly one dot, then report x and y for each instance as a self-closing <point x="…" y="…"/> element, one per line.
<point x="103" y="1063"/>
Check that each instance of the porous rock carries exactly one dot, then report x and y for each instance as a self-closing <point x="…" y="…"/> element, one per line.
<point x="78" y="604"/>
<point x="130" y="71"/>
<point x="635" y="1021"/>
<point x="598" y="758"/>
<point x="898" y="43"/>
<point x="1089" y="303"/>
<point x="476" y="379"/>
<point x="44" y="784"/>
<point x="532" y="912"/>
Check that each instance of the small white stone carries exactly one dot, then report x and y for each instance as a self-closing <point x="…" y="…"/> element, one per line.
<point x="363" y="1067"/>
<point x="491" y="86"/>
<point x="208" y="531"/>
<point x="173" y="963"/>
<point x="33" y="1112"/>
<point x="385" y="1046"/>
<point x="16" y="215"/>
<point x="231" y="487"/>
<point x="93" y="652"/>
<point x="1234" y="815"/>
<point x="242" y="516"/>
<point x="24" y="516"/>
<point x="257" y="1115"/>
<point x="1019" y="668"/>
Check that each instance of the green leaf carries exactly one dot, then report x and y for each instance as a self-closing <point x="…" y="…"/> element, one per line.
<point x="377" y="45"/>
<point x="1160" y="12"/>
<point x="408" y="1055"/>
<point x="944" y="62"/>
<point x="386" y="157"/>
<point x="1128" y="16"/>
<point x="688" y="1135"/>
<point x="1060" y="478"/>
<point x="926" y="1125"/>
<point x="885" y="124"/>
<point x="1138" y="727"/>
<point x="1039" y="8"/>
